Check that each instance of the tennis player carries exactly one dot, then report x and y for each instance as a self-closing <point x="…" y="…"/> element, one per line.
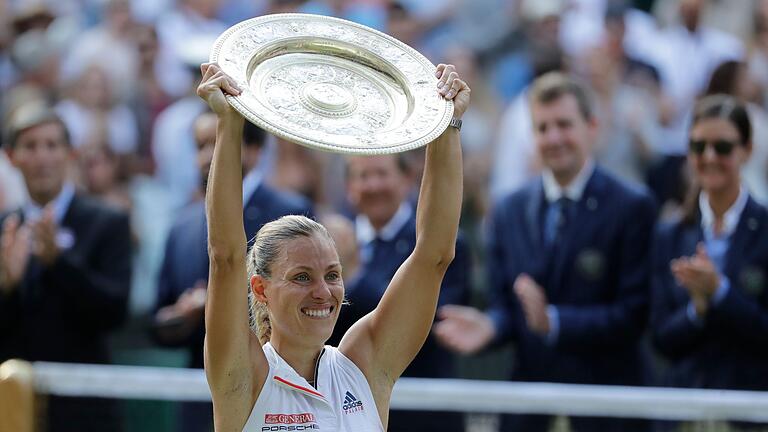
<point x="276" y="374"/>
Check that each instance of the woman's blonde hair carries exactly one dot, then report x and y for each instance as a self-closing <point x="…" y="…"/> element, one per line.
<point x="267" y="245"/>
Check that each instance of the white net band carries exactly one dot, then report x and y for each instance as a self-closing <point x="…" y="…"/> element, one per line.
<point x="153" y="383"/>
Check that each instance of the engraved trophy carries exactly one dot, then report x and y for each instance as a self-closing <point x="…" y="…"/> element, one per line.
<point x="331" y="84"/>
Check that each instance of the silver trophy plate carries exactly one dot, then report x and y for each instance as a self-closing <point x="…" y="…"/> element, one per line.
<point x="332" y="84"/>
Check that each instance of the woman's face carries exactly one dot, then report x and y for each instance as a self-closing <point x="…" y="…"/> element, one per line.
<point x="716" y="154"/>
<point x="305" y="292"/>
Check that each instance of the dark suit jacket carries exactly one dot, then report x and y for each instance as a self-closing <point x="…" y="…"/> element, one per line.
<point x="63" y="313"/>
<point x="365" y="290"/>
<point x="186" y="251"/>
<point x="597" y="276"/>
<point x="730" y="349"/>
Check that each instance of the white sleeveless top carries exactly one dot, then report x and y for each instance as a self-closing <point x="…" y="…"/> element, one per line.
<point x="342" y="400"/>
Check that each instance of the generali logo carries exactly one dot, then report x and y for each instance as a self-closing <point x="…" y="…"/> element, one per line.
<point x="289" y="418"/>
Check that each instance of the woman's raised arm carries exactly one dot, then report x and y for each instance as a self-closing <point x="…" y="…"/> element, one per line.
<point x="385" y="341"/>
<point x="232" y="352"/>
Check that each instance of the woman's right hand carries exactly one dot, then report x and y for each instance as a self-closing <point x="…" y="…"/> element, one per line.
<point x="214" y="86"/>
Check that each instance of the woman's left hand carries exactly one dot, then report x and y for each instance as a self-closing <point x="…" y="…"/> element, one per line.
<point x="452" y="88"/>
<point x="697" y="274"/>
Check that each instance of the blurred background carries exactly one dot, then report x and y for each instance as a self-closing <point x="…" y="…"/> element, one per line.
<point x="121" y="75"/>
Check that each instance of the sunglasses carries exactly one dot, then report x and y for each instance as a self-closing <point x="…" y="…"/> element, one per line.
<point x="721" y="147"/>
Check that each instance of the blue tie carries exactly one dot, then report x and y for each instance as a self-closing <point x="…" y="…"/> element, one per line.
<point x="557" y="218"/>
<point x="368" y="251"/>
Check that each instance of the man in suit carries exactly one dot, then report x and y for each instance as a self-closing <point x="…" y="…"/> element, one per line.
<point x="568" y="260"/>
<point x="378" y="188"/>
<point x="184" y="273"/>
<point x="65" y="267"/>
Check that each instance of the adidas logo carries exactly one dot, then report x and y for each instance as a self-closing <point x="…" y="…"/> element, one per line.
<point x="351" y="404"/>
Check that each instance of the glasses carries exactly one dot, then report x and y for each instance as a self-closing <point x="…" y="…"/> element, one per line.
<point x="722" y="147"/>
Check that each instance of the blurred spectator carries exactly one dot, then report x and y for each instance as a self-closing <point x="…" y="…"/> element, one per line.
<point x="515" y="160"/>
<point x="66" y="265"/>
<point x="403" y="26"/>
<point x="568" y="260"/>
<point x="36" y="60"/>
<point x="687" y="52"/>
<point x="342" y="231"/>
<point x="632" y="70"/>
<point x="6" y="69"/>
<point x="478" y="137"/>
<point x="581" y="27"/>
<point x="710" y="303"/>
<point x="234" y="11"/>
<point x="385" y="228"/>
<point x="31" y="15"/>
<point x="732" y="78"/>
<point x="298" y="170"/>
<point x="284" y="6"/>
<point x="99" y="172"/>
<point x="108" y="44"/>
<point x="150" y="96"/>
<point x="371" y="14"/>
<point x="184" y="274"/>
<point x="627" y="118"/>
<point x="758" y="56"/>
<point x="92" y="114"/>
<point x="13" y="193"/>
<point x="173" y="143"/>
<point x="177" y="28"/>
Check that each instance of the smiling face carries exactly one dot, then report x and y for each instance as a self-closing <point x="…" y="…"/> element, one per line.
<point x="305" y="291"/>
<point x="717" y="173"/>
<point x="41" y="153"/>
<point x="376" y="185"/>
<point x="563" y="135"/>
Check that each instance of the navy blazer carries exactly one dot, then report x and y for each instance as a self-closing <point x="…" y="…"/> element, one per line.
<point x="63" y="313"/>
<point x="186" y="251"/>
<point x="730" y="348"/>
<point x="366" y="289"/>
<point x="598" y="279"/>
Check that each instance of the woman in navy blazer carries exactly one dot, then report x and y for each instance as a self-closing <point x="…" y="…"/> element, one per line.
<point x="710" y="305"/>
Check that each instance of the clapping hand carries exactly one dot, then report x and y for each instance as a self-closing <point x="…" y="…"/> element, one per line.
<point x="44" y="237"/>
<point x="534" y="304"/>
<point x="463" y="329"/>
<point x="698" y="275"/>
<point x="14" y="253"/>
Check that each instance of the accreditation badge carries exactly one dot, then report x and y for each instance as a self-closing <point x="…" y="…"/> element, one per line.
<point x="590" y="263"/>
<point x="752" y="280"/>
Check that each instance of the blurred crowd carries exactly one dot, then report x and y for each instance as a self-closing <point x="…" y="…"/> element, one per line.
<point x="116" y="216"/>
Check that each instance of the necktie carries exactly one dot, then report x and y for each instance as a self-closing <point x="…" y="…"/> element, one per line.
<point x="565" y="205"/>
<point x="558" y="216"/>
<point x="369" y="250"/>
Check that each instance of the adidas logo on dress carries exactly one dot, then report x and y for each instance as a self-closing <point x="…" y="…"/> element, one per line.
<point x="351" y="404"/>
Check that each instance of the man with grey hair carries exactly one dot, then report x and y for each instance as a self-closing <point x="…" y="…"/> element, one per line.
<point x="65" y="267"/>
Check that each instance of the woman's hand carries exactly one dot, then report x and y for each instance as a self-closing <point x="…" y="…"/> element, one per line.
<point x="698" y="275"/>
<point x="452" y="88"/>
<point x="213" y="88"/>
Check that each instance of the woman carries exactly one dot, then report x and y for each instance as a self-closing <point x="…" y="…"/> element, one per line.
<point x="285" y="377"/>
<point x="733" y="78"/>
<point x="710" y="305"/>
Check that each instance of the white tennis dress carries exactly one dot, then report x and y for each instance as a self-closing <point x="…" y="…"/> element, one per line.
<point x="342" y="400"/>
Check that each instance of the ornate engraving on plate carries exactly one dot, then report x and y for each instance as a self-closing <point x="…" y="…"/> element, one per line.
<point x="332" y="84"/>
